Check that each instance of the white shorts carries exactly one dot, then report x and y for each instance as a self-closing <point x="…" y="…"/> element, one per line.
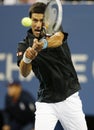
<point x="69" y="112"/>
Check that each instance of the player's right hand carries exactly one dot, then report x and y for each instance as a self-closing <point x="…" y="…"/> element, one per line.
<point x="37" y="45"/>
<point x="30" y="53"/>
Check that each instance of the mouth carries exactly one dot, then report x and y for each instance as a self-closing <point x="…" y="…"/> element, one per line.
<point x="37" y="31"/>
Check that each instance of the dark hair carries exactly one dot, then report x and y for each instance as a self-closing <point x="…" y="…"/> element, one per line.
<point x="37" y="7"/>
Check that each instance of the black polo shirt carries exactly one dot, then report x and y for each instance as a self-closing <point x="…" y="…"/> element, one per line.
<point x="54" y="69"/>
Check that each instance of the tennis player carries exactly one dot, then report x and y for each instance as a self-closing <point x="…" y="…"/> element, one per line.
<point x="50" y="60"/>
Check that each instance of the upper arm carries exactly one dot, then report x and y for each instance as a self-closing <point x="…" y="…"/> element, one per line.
<point x="20" y="51"/>
<point x="25" y="69"/>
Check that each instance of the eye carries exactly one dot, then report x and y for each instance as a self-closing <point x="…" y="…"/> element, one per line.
<point x="35" y="20"/>
<point x="41" y="20"/>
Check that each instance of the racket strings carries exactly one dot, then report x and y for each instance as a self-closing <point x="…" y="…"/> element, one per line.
<point x="50" y="18"/>
<point x="53" y="16"/>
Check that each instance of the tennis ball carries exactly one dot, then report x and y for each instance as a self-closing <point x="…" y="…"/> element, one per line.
<point x="26" y="22"/>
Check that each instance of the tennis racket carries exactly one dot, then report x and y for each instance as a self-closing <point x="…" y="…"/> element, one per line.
<point x="53" y="17"/>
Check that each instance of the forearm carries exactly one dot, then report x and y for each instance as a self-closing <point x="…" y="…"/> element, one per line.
<point x="25" y="68"/>
<point x="29" y="55"/>
<point x="55" y="40"/>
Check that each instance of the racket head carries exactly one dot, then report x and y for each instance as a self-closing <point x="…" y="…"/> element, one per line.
<point x="53" y="17"/>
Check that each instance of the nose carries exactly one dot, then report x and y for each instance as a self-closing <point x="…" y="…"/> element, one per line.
<point x="39" y="24"/>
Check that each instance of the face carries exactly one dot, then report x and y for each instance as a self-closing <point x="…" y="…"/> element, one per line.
<point x="14" y="90"/>
<point x="37" y="23"/>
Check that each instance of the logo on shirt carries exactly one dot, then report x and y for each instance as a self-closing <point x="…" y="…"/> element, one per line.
<point x="19" y="53"/>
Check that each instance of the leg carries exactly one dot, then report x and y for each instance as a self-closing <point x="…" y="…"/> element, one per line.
<point x="73" y="117"/>
<point x="45" y="117"/>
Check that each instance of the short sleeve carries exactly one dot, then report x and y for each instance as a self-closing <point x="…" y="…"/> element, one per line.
<point x="22" y="46"/>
